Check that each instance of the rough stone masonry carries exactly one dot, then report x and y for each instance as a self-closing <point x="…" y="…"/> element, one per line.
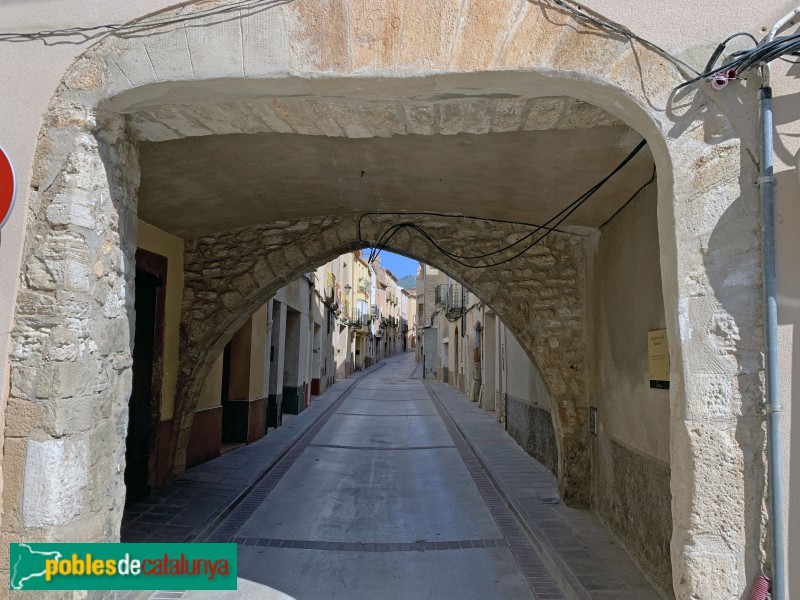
<point x="539" y="295"/>
<point x="71" y="338"/>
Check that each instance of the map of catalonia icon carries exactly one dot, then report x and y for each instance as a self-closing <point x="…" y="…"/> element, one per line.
<point x="28" y="564"/>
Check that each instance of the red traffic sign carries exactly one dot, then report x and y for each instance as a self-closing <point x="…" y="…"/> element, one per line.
<point x="8" y="187"/>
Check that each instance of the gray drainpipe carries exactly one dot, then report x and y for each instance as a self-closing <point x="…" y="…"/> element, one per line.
<point x="766" y="184"/>
<point x="773" y="406"/>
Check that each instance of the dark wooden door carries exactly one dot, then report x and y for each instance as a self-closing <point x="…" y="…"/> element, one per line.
<point x="228" y="416"/>
<point x="137" y="444"/>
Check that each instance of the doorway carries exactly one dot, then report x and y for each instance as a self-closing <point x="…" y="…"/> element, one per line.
<point x="144" y="404"/>
<point x="235" y="391"/>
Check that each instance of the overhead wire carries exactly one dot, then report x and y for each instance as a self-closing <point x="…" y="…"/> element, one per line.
<point x="623" y="31"/>
<point x="559" y="218"/>
<point x="631" y="199"/>
<point x="723" y="44"/>
<point x="390" y="231"/>
<point x="93" y="32"/>
<point x="137" y="26"/>
<point x="463" y="260"/>
<point x="741" y="63"/>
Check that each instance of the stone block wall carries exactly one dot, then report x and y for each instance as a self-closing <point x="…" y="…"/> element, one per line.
<point x="532" y="428"/>
<point x="71" y="354"/>
<point x="631" y="493"/>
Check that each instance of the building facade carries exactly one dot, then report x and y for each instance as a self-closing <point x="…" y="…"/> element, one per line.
<point x="268" y="142"/>
<point x="308" y="335"/>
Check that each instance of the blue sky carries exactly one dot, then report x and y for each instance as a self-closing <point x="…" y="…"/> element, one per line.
<point x="398" y="265"/>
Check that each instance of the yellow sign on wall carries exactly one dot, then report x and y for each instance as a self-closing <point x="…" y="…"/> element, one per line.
<point x="658" y="358"/>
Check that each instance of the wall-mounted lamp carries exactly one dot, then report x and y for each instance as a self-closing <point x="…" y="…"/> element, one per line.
<point x="347" y="288"/>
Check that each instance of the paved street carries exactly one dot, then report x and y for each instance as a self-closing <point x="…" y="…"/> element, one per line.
<point x="380" y="503"/>
<point x="391" y="487"/>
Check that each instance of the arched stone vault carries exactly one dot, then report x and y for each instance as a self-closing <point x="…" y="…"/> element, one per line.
<point x="540" y="296"/>
<point x="71" y="343"/>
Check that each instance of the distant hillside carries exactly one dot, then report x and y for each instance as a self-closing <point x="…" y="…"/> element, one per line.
<point x="409" y="282"/>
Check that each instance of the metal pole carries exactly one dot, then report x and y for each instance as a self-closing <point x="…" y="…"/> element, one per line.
<point x="773" y="407"/>
<point x="463" y="311"/>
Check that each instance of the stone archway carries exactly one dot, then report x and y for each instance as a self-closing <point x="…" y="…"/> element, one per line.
<point x="71" y="343"/>
<point x="540" y="296"/>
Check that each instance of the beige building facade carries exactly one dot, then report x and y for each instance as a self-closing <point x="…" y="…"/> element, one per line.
<point x="288" y="352"/>
<point x="474" y="121"/>
<point x="467" y="345"/>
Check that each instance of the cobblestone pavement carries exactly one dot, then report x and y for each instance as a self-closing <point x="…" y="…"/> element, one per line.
<point x="397" y="488"/>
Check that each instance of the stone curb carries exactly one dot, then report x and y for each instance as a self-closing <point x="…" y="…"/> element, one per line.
<point x="478" y="471"/>
<point x="559" y="569"/>
<point x="209" y="525"/>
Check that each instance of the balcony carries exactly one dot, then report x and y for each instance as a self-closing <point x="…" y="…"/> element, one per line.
<point x="361" y="321"/>
<point x="441" y="293"/>
<point x="450" y="297"/>
<point x="330" y="288"/>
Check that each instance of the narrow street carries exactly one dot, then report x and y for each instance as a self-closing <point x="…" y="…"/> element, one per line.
<point x="426" y="299"/>
<point x="384" y="500"/>
<point x="389" y="487"/>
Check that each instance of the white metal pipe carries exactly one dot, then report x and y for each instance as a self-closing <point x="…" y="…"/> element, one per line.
<point x="773" y="407"/>
<point x="765" y="72"/>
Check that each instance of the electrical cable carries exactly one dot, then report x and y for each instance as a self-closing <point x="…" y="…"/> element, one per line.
<point x="373" y="254"/>
<point x="140" y="25"/>
<point x="743" y="62"/>
<point x="478" y="304"/>
<point x="93" y="32"/>
<point x="631" y="199"/>
<point x="715" y="56"/>
<point x="623" y="31"/>
<point x="436" y="312"/>
<point x="559" y="218"/>
<point x="389" y="233"/>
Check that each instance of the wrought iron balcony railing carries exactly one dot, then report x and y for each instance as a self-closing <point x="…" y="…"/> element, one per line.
<point x="450" y="296"/>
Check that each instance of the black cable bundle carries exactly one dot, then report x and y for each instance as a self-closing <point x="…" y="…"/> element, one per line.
<point x="743" y="62"/>
<point x="551" y="225"/>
